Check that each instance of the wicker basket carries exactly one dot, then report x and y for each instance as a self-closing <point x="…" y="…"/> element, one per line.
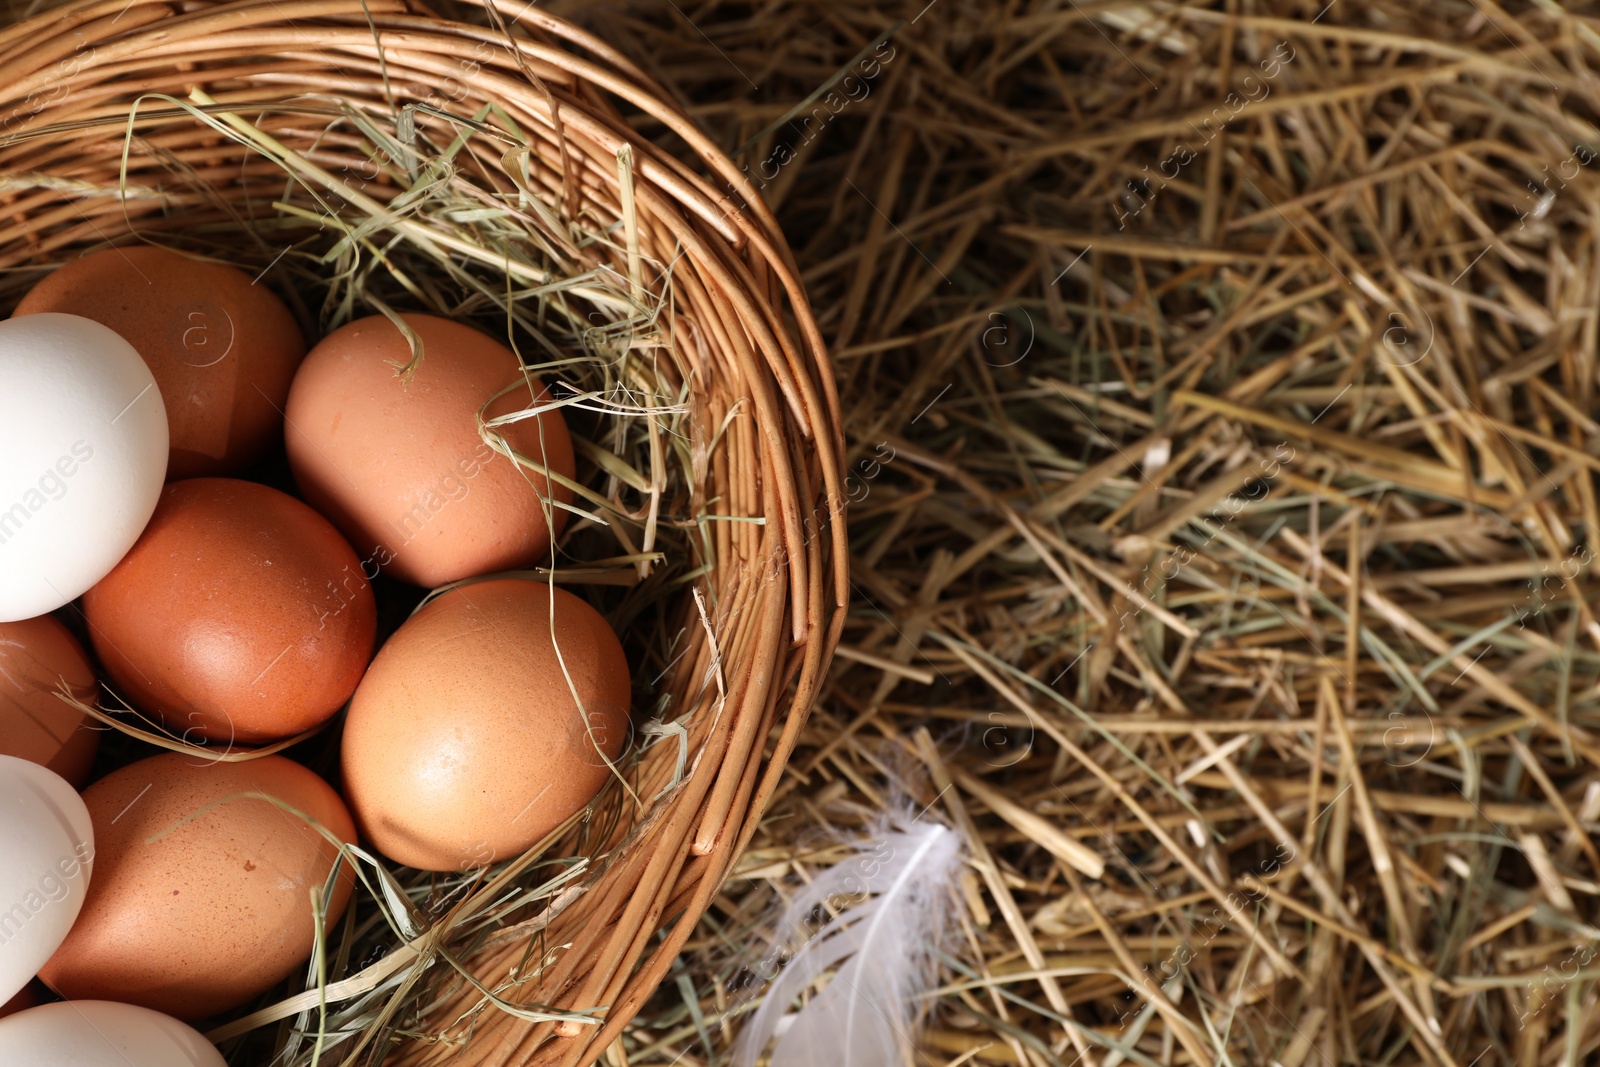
<point x="95" y="141"/>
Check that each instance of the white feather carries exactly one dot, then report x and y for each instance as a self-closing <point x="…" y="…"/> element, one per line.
<point x="882" y="947"/>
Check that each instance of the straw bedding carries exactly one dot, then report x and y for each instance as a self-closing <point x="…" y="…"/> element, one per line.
<point x="1218" y="384"/>
<point x="1218" y="390"/>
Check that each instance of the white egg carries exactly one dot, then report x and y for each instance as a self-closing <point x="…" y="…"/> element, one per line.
<point x="83" y="455"/>
<point x="47" y="845"/>
<point x="101" y="1033"/>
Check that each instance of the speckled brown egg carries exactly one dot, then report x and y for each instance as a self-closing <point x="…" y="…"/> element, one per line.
<point x="239" y="615"/>
<point x="201" y="898"/>
<point x="464" y="744"/>
<point x="399" y="465"/>
<point x="222" y="348"/>
<point x="37" y="658"/>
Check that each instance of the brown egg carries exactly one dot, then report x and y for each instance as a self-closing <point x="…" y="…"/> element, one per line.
<point x="464" y="745"/>
<point x="27" y="997"/>
<point x="222" y="348"/>
<point x="400" y="468"/>
<point x="194" y="910"/>
<point x="38" y="656"/>
<point x="238" y="615"/>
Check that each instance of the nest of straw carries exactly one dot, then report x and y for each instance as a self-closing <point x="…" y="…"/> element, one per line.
<point x="1219" y="393"/>
<point x="376" y="157"/>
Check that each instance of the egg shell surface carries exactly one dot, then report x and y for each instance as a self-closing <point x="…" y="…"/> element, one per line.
<point x="399" y="465"/>
<point x="83" y="453"/>
<point x="222" y="348"/>
<point x="47" y="848"/>
<point x="216" y="909"/>
<point x="239" y="615"/>
<point x="27" y="998"/>
<point x="37" y="658"/>
<point x="464" y="745"/>
<point x="100" y="1033"/>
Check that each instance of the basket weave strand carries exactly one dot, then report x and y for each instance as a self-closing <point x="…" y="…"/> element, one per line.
<point x="89" y="82"/>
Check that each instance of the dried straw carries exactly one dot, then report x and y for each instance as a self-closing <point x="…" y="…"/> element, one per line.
<point x="1231" y="531"/>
